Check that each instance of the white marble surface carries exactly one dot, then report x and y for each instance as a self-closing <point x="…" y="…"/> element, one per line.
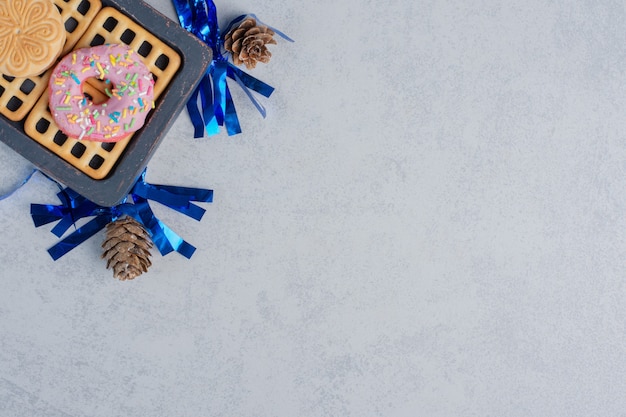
<point x="430" y="222"/>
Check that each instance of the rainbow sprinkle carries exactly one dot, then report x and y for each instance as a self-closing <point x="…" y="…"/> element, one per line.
<point x="95" y="119"/>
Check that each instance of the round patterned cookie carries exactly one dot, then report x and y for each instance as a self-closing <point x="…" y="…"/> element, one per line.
<point x="32" y="35"/>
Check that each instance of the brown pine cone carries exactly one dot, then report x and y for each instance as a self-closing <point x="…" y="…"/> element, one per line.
<point x="247" y="42"/>
<point x="127" y="248"/>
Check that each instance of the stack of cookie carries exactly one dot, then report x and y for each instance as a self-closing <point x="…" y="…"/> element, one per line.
<point x="35" y="34"/>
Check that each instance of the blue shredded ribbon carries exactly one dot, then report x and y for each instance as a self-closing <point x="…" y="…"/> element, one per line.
<point x="218" y="109"/>
<point x="74" y="207"/>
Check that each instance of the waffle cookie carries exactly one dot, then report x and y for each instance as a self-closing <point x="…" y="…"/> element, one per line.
<point x="96" y="159"/>
<point x="19" y="94"/>
<point x="77" y="15"/>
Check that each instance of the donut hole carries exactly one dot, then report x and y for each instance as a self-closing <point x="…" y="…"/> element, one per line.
<point x="95" y="90"/>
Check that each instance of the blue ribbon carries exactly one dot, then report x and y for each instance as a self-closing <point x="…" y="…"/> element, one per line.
<point x="74" y="207"/>
<point x="218" y="109"/>
<point x="17" y="187"/>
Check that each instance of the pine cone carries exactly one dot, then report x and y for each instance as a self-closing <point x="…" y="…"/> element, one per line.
<point x="127" y="248"/>
<point x="247" y="42"/>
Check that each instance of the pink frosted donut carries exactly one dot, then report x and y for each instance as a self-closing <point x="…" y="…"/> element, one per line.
<point x="130" y="88"/>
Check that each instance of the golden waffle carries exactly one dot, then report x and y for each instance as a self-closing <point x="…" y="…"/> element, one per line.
<point x="96" y="159"/>
<point x="77" y="15"/>
<point x="18" y="95"/>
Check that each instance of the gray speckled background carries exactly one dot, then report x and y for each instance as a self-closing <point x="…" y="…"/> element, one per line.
<point x="430" y="222"/>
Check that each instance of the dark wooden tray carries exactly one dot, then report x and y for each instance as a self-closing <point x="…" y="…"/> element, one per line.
<point x="196" y="57"/>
